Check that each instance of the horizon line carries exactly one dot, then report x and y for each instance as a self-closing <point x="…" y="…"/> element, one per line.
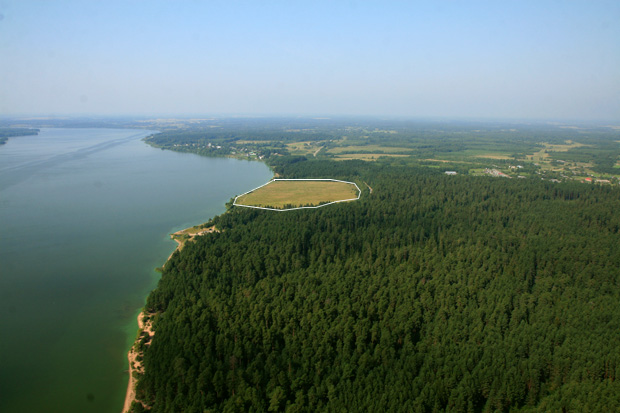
<point x="215" y="116"/>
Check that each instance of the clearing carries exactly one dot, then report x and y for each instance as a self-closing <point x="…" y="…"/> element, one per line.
<point x="367" y="156"/>
<point x="562" y="148"/>
<point x="304" y="148"/>
<point x="495" y="156"/>
<point x="296" y="193"/>
<point x="369" y="148"/>
<point x="188" y="234"/>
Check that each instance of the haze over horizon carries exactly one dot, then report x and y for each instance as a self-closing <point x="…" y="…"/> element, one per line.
<point x="479" y="59"/>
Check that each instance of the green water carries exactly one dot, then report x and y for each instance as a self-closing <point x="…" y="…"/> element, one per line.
<point x="84" y="219"/>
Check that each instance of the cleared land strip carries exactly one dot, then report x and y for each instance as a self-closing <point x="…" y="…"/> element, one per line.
<point x="290" y="194"/>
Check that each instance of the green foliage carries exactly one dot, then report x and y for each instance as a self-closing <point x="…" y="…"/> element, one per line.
<point x="6" y="133"/>
<point x="136" y="408"/>
<point x="458" y="146"/>
<point x="603" y="154"/>
<point x="432" y="293"/>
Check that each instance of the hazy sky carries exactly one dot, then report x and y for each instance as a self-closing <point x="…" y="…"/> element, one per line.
<point x="484" y="59"/>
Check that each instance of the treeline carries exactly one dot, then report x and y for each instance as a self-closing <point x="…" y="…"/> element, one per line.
<point x="206" y="142"/>
<point x="226" y="136"/>
<point x="6" y="133"/>
<point x="432" y="293"/>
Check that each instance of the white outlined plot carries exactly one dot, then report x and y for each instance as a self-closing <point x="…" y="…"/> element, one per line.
<point x="359" y="193"/>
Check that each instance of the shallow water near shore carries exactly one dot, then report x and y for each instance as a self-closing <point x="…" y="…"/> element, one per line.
<point x="85" y="217"/>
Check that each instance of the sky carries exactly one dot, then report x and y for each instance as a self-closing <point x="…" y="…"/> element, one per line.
<point x="448" y="59"/>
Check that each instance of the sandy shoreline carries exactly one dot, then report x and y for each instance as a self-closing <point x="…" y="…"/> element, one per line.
<point x="130" y="395"/>
<point x="134" y="364"/>
<point x="146" y="329"/>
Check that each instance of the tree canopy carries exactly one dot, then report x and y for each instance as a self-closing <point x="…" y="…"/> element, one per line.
<point x="431" y="293"/>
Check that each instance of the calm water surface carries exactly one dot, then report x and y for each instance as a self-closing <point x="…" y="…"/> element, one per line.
<point x="84" y="220"/>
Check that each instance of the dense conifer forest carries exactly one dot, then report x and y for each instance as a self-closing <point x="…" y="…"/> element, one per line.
<point x="430" y="293"/>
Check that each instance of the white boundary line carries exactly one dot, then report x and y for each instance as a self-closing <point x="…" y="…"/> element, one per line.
<point x="359" y="193"/>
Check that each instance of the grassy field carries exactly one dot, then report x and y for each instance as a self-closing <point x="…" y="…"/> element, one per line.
<point x="369" y="148"/>
<point x="443" y="161"/>
<point x="278" y="194"/>
<point x="246" y="142"/>
<point x="495" y="156"/>
<point x="303" y="148"/>
<point x="366" y="156"/>
<point x="568" y="145"/>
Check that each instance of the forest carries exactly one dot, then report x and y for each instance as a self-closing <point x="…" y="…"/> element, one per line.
<point x="430" y="293"/>
<point x="6" y="133"/>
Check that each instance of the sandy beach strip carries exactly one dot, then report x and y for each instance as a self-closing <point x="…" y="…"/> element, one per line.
<point x="130" y="395"/>
<point x="134" y="365"/>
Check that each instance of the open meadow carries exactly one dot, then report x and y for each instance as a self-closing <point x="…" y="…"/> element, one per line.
<point x="296" y="193"/>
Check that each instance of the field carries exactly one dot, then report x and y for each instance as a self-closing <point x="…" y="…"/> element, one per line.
<point x="366" y="156"/>
<point x="568" y="145"/>
<point x="369" y="148"/>
<point x="278" y="194"/>
<point x="543" y="154"/>
<point x="246" y="142"/>
<point x="303" y="148"/>
<point x="495" y="156"/>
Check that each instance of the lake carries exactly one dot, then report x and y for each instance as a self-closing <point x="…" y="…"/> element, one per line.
<point x="85" y="218"/>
